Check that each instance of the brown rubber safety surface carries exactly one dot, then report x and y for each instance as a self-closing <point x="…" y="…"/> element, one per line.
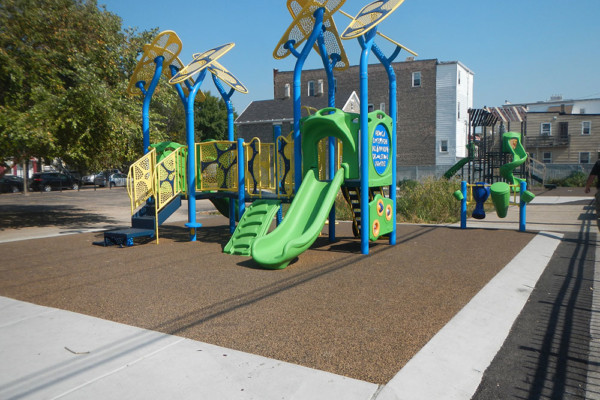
<point x="332" y="309"/>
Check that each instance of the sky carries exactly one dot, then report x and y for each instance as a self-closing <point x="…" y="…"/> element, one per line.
<point x="519" y="50"/>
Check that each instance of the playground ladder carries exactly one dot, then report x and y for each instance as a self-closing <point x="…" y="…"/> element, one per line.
<point x="352" y="196"/>
<point x="254" y="223"/>
<point x="156" y="187"/>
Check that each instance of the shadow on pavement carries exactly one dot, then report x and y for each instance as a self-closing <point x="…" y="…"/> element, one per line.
<point x="26" y="216"/>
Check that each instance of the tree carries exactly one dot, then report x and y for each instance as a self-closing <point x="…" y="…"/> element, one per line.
<point x="211" y="119"/>
<point x="64" y="68"/>
<point x="167" y="117"/>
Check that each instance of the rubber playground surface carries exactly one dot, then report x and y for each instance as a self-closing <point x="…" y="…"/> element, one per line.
<point x="332" y="309"/>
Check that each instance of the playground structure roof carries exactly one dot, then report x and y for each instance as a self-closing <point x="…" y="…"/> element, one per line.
<point x="490" y="116"/>
<point x="481" y="117"/>
<point x="509" y="113"/>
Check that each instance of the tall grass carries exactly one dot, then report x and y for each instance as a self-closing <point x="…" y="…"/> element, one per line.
<point x="430" y="201"/>
<point x="576" y="179"/>
<point x="343" y="211"/>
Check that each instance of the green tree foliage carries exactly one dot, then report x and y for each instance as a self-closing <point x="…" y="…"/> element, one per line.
<point x="211" y="119"/>
<point x="64" y="70"/>
<point x="64" y="67"/>
<point x="167" y="117"/>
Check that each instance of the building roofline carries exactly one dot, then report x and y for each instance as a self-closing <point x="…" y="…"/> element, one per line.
<point x="563" y="101"/>
<point x="559" y="113"/>
<point x="458" y="63"/>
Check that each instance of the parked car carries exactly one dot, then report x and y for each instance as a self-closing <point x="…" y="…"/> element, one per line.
<point x="11" y="184"/>
<point x="89" y="179"/>
<point x="48" y="181"/>
<point x="115" y="179"/>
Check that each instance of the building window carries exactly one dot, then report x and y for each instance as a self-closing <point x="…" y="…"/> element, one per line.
<point x="286" y="91"/>
<point x="546" y="129"/>
<point x="311" y="88"/>
<point x="458" y="111"/>
<point x="416" y="79"/>
<point x="547" y="157"/>
<point x="584" y="157"/>
<point x="444" y="146"/>
<point x="459" y="77"/>
<point x="586" y="127"/>
<point x="382" y="106"/>
<point x="320" y="87"/>
<point x="371" y="108"/>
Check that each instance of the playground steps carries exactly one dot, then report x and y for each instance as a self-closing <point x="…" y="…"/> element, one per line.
<point x="254" y="223"/>
<point x="143" y="224"/>
<point x="352" y="196"/>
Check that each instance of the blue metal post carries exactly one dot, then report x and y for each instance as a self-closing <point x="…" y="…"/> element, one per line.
<point x="178" y="87"/>
<point x="301" y="58"/>
<point x="191" y="167"/>
<point x="463" y="205"/>
<point x="147" y="98"/>
<point x="276" y="134"/>
<point x="226" y="96"/>
<point x="329" y="65"/>
<point x="522" y="208"/>
<point x="241" y="178"/>
<point x="387" y="63"/>
<point x="366" y="44"/>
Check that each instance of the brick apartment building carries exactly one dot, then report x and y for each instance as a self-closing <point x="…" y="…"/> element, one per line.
<point x="433" y="99"/>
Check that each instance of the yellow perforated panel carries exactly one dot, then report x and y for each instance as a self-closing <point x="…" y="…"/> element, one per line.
<point x="304" y="22"/>
<point x="333" y="42"/>
<point x="370" y="15"/>
<point x="217" y="166"/>
<point x="260" y="167"/>
<point x="201" y="61"/>
<point x="285" y="167"/>
<point x="384" y="36"/>
<point x="179" y="65"/>
<point x="166" y="44"/>
<point x="223" y="74"/>
<point x="167" y="179"/>
<point x="140" y="180"/>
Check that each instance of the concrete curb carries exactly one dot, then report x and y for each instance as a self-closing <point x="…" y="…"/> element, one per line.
<point x="452" y="363"/>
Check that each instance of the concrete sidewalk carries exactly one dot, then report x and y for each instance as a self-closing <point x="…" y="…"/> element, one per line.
<point x="50" y="354"/>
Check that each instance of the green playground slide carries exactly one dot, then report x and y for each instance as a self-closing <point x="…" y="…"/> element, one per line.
<point x="461" y="163"/>
<point x="254" y="224"/>
<point x="511" y="143"/>
<point x="302" y="224"/>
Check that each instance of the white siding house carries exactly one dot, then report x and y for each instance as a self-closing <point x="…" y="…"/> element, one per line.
<point x="454" y="97"/>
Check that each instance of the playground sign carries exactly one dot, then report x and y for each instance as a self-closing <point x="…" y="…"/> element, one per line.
<point x="380" y="149"/>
